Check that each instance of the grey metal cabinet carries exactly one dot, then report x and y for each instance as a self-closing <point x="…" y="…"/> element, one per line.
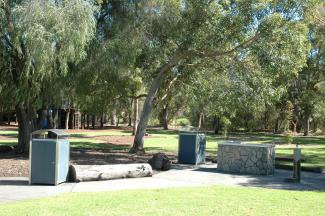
<point x="191" y="147"/>
<point x="49" y="157"/>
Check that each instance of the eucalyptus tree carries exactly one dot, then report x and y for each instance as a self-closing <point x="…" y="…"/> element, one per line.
<point x="37" y="41"/>
<point x="110" y="76"/>
<point x="204" y="32"/>
<point x="303" y="91"/>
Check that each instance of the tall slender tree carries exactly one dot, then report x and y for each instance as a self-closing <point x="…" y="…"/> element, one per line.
<point x="37" y="41"/>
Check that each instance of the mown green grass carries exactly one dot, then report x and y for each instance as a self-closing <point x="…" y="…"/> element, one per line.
<point x="214" y="200"/>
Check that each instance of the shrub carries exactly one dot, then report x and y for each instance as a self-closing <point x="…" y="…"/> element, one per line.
<point x="182" y="122"/>
<point x="289" y="137"/>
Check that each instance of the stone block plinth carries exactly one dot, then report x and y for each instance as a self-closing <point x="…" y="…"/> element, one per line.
<point x="244" y="158"/>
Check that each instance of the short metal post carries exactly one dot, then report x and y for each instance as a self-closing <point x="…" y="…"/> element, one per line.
<point x="297" y="163"/>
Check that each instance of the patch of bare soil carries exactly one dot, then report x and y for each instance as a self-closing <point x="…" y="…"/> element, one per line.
<point x="7" y="138"/>
<point x="17" y="165"/>
<point x="115" y="140"/>
<point x="13" y="165"/>
<point x="105" y="129"/>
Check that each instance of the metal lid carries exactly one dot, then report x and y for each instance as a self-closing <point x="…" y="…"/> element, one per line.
<point x="49" y="133"/>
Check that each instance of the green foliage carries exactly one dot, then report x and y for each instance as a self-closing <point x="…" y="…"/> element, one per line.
<point x="289" y="137"/>
<point x="182" y="122"/>
<point x="38" y="40"/>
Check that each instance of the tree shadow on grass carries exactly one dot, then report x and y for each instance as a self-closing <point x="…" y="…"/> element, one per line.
<point x="8" y="143"/>
<point x="310" y="181"/>
<point x="86" y="145"/>
<point x="162" y="132"/>
<point x="9" y="135"/>
<point x="309" y="140"/>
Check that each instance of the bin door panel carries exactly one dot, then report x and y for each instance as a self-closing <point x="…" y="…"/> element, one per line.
<point x="201" y="140"/>
<point x="43" y="162"/>
<point x="63" y="160"/>
<point x="187" y="149"/>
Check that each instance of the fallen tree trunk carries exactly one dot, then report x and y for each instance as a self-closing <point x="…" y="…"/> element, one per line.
<point x="78" y="173"/>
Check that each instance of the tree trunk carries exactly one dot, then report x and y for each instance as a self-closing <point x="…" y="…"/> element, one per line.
<point x="82" y="121"/>
<point x="200" y="121"/>
<point x="80" y="173"/>
<point x="8" y="116"/>
<point x="73" y="120"/>
<point x="216" y="125"/>
<point x="135" y="115"/>
<point x="101" y="121"/>
<point x="315" y="126"/>
<point x="24" y="130"/>
<point x="1" y="118"/>
<point x="93" y="119"/>
<point x="67" y="116"/>
<point x="276" y="126"/>
<point x="165" y="117"/>
<point x="113" y="117"/>
<point x="266" y="119"/>
<point x="130" y="114"/>
<point x="88" y="121"/>
<point x="56" y="119"/>
<point x="43" y="120"/>
<point x="51" y="123"/>
<point x="147" y="106"/>
<point x="306" y="123"/>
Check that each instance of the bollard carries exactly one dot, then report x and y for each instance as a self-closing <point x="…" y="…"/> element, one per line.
<point x="297" y="164"/>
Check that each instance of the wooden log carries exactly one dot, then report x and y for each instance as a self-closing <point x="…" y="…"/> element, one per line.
<point x="79" y="173"/>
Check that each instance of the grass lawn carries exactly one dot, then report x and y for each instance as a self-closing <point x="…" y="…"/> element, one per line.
<point x="313" y="148"/>
<point x="214" y="200"/>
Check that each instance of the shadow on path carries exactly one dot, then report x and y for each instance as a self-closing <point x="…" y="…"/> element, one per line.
<point x="309" y="181"/>
<point x="14" y="182"/>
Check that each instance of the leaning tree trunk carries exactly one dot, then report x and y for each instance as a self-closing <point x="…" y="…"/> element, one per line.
<point x="147" y="106"/>
<point x="24" y="130"/>
<point x="135" y="115"/>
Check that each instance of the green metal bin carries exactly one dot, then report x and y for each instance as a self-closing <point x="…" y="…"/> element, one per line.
<point x="191" y="147"/>
<point x="49" y="157"/>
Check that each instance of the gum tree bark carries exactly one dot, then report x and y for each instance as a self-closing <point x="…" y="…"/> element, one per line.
<point x="306" y="123"/>
<point x="135" y="115"/>
<point x="67" y="119"/>
<point x="24" y="130"/>
<point x="148" y="104"/>
<point x="165" y="117"/>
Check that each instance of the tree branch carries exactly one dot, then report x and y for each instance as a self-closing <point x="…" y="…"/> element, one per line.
<point x="215" y="54"/>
